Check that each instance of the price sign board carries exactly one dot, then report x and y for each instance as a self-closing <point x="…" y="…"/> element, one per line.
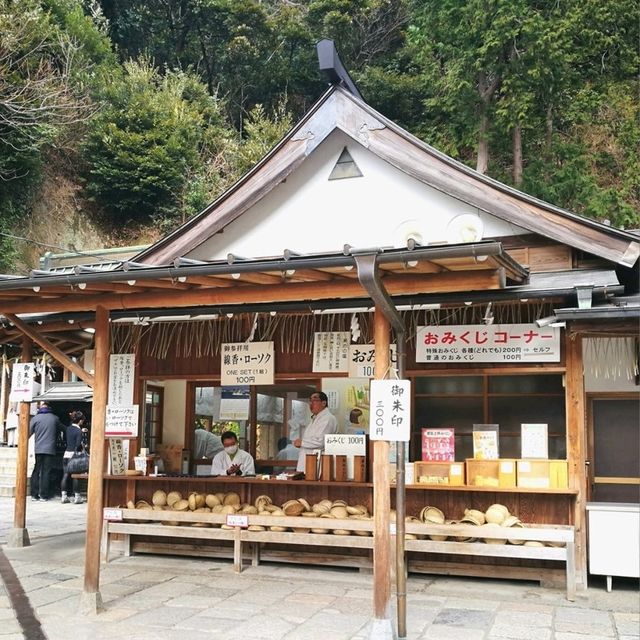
<point x="488" y="343"/>
<point x="236" y="520"/>
<point x="111" y="514"/>
<point x="390" y="413"/>
<point x="346" y="445"/>
<point x="247" y="363"/>
<point x="362" y="359"/>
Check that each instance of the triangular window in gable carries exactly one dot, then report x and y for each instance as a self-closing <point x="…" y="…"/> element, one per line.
<point x="345" y="167"/>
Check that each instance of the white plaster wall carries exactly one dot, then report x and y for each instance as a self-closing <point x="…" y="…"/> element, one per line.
<point x="175" y="398"/>
<point x="309" y="213"/>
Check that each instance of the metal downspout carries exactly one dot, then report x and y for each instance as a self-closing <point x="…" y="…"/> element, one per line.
<point x="366" y="264"/>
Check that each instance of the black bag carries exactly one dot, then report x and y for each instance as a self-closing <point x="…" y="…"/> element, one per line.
<point x="78" y="463"/>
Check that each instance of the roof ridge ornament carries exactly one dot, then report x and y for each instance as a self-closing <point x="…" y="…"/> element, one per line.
<point x="329" y="62"/>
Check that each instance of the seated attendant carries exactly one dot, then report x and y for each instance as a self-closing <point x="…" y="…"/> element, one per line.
<point x="232" y="461"/>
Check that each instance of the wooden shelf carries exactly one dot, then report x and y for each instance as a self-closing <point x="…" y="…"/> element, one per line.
<point x="473" y="489"/>
<point x="320" y="483"/>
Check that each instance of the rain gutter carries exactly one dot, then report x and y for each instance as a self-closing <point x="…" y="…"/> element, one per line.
<point x="184" y="268"/>
<point x="367" y="265"/>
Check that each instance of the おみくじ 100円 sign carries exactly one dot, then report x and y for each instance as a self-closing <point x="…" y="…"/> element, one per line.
<point x="389" y="417"/>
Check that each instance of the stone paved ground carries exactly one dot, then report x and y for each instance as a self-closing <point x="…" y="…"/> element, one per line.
<point x="167" y="598"/>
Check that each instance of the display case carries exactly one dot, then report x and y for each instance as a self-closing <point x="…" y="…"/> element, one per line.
<point x="439" y="473"/>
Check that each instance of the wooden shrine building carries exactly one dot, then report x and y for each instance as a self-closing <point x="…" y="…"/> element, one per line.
<point x="351" y="224"/>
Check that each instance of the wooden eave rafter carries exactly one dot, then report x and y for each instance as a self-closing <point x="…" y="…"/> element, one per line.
<point x="246" y="294"/>
<point x="55" y="352"/>
<point x="338" y="109"/>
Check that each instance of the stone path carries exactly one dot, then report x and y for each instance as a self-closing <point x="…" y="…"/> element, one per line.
<point x="167" y="598"/>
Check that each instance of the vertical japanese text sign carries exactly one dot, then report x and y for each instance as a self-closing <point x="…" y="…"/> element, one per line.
<point x="121" y="369"/>
<point x="390" y="412"/>
<point x="22" y="382"/>
<point x="121" y="417"/>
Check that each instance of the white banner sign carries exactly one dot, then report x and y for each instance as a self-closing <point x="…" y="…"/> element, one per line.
<point x="247" y="363"/>
<point x="234" y="403"/>
<point x="331" y="351"/>
<point x="23" y="384"/>
<point x="390" y="414"/>
<point x="121" y="370"/>
<point x="362" y="359"/>
<point x="488" y="343"/>
<point x="121" y="421"/>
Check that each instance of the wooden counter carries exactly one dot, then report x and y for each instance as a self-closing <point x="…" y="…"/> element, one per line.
<point x="539" y="506"/>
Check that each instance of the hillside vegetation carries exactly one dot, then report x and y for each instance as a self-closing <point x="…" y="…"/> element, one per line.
<point x="119" y="120"/>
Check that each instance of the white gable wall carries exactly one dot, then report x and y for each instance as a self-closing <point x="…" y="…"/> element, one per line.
<point x="310" y="213"/>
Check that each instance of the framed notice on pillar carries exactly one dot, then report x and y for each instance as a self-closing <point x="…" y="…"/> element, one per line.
<point x="390" y="410"/>
<point x="121" y="373"/>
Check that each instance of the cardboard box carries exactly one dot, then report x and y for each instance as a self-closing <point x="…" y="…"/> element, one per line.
<point x="500" y="473"/>
<point x="559" y="474"/>
<point x="534" y="474"/>
<point x="439" y="473"/>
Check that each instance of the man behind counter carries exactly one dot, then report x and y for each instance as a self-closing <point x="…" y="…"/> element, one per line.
<point x="322" y="423"/>
<point x="232" y="461"/>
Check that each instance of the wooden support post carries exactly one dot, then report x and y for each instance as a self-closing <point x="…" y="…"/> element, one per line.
<point x="91" y="601"/>
<point x="4" y="396"/>
<point x="19" y="535"/>
<point x="576" y="449"/>
<point x="381" y="628"/>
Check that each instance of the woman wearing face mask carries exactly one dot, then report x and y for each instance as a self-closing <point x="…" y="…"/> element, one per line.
<point x="232" y="461"/>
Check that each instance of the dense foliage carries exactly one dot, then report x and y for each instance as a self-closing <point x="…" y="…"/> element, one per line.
<point x="156" y="106"/>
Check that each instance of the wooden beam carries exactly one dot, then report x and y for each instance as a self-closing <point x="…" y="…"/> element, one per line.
<point x="381" y="489"/>
<point x="287" y="291"/>
<point x="576" y="448"/>
<point x="91" y="592"/>
<point x="20" y="536"/>
<point x="52" y="350"/>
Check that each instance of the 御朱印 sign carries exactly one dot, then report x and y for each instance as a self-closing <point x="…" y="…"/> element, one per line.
<point x="246" y="363"/>
<point x="488" y="343"/>
<point x="390" y="412"/>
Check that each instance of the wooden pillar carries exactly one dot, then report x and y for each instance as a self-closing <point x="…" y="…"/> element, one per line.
<point x="19" y="535"/>
<point x="381" y="624"/>
<point x="576" y="448"/>
<point x="4" y="397"/>
<point x="91" y="600"/>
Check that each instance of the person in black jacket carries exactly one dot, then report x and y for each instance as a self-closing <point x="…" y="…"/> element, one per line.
<point x="75" y="443"/>
<point x="44" y="427"/>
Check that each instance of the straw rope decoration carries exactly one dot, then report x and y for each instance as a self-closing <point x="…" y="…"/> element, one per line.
<point x="294" y="332"/>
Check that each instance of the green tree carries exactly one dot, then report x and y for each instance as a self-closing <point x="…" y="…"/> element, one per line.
<point x="152" y="149"/>
<point x="45" y="68"/>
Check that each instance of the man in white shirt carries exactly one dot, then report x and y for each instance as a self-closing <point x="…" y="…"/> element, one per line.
<point x="232" y="461"/>
<point x="322" y="423"/>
